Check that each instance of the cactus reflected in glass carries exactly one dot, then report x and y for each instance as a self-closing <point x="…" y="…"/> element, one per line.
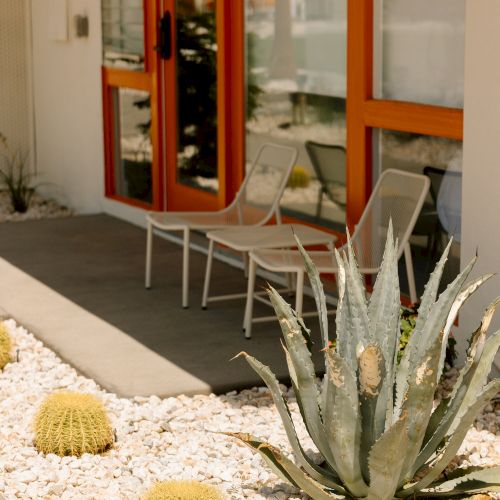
<point x="373" y="420"/>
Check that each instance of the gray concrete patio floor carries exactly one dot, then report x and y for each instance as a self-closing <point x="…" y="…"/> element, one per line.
<point x="77" y="284"/>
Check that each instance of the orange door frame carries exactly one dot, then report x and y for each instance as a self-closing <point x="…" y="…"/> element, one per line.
<point x="230" y="97"/>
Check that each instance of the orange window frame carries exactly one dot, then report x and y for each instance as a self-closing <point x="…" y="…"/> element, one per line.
<point x="364" y="113"/>
<point x="112" y="79"/>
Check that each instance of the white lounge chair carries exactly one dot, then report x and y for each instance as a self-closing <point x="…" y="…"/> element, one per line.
<point x="397" y="194"/>
<point x="254" y="205"/>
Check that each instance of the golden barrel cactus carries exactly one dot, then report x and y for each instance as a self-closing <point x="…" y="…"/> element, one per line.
<point x="5" y="346"/>
<point x="299" y="178"/>
<point x="70" y="423"/>
<point x="182" y="490"/>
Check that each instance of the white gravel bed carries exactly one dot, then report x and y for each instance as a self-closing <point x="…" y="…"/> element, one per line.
<point x="156" y="439"/>
<point x="40" y="208"/>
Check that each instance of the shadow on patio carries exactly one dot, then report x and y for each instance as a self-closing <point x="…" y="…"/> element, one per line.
<point x="97" y="262"/>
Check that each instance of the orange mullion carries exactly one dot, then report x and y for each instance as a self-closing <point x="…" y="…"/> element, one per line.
<point x="223" y="120"/>
<point x="416" y="118"/>
<point x="230" y="99"/>
<point x="107" y="106"/>
<point x="151" y="10"/>
<point x="127" y="79"/>
<point x="359" y="90"/>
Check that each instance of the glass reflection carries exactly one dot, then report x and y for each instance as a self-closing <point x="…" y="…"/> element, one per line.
<point x="123" y="34"/>
<point x="197" y="93"/>
<point x="296" y="93"/>
<point x="133" y="148"/>
<point x="440" y="160"/>
<point x="421" y="51"/>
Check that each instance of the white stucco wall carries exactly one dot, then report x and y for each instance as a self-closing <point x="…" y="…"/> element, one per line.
<point x="481" y="170"/>
<point x="68" y="106"/>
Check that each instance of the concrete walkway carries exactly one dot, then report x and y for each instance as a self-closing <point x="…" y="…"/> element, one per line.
<point x="92" y="346"/>
<point x="77" y="284"/>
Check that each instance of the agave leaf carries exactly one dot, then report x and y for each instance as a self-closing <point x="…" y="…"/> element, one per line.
<point x="285" y="468"/>
<point x="383" y="314"/>
<point x="385" y="460"/>
<point x="431" y="288"/>
<point x="372" y="408"/>
<point x="450" y="411"/>
<point x="272" y="383"/>
<point x="473" y="356"/>
<point x="478" y="375"/>
<point x="353" y="322"/>
<point x="418" y="405"/>
<point x="319" y="292"/>
<point x="425" y="333"/>
<point x="384" y="302"/>
<point x="265" y="452"/>
<point x="479" y="337"/>
<point x="454" y="441"/>
<point x="479" y="479"/>
<point x="345" y="344"/>
<point x="342" y="422"/>
<point x="427" y="301"/>
<point x="459" y="301"/>
<point x="303" y="481"/>
<point x="302" y="373"/>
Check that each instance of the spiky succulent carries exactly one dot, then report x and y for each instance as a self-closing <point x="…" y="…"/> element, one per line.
<point x="70" y="423"/>
<point x="373" y="420"/>
<point x="182" y="490"/>
<point x="5" y="346"/>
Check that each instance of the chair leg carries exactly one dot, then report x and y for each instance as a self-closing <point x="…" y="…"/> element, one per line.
<point x="149" y="254"/>
<point x="247" y="321"/>
<point x="319" y="203"/>
<point x="185" y="270"/>
<point x="299" y="293"/>
<point x="208" y="273"/>
<point x="245" y="264"/>
<point x="410" y="273"/>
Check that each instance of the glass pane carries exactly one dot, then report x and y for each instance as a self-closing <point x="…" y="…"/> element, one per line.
<point x="420" y="51"/>
<point x="197" y="93"/>
<point x="133" y="148"/>
<point x="296" y="93"/>
<point x="123" y="34"/>
<point x="440" y="218"/>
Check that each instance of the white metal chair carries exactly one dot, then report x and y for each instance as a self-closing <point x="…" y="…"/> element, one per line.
<point x="397" y="194"/>
<point x="255" y="204"/>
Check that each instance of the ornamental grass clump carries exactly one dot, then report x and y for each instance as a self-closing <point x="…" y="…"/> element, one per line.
<point x="182" y="490"/>
<point x="70" y="423"/>
<point x="5" y="346"/>
<point x="373" y="420"/>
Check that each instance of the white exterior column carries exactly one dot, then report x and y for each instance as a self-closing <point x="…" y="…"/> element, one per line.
<point x="68" y="103"/>
<point x="481" y="167"/>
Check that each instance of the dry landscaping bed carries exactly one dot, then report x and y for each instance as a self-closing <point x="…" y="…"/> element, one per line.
<point x="155" y="439"/>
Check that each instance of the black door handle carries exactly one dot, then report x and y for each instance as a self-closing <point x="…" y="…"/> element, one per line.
<point x="165" y="37"/>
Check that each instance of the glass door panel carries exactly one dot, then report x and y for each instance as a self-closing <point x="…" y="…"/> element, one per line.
<point x="295" y="94"/>
<point x="134" y="151"/>
<point x="196" y="68"/>
<point x="123" y="34"/>
<point x="419" y="51"/>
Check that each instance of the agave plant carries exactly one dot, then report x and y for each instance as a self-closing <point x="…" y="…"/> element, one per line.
<point x="373" y="418"/>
